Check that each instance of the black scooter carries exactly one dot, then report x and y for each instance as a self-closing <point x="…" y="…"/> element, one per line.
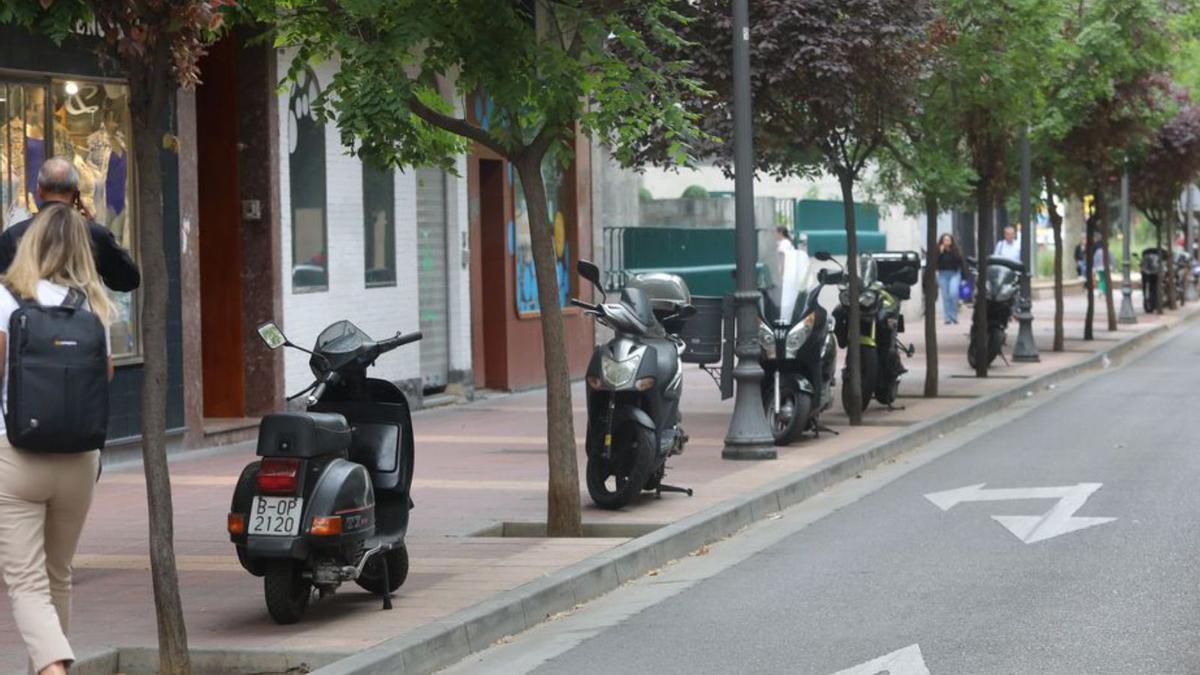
<point x="1003" y="292"/>
<point x="329" y="500"/>
<point x="634" y="385"/>
<point x="799" y="359"/>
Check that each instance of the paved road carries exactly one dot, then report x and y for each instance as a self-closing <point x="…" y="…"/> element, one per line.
<point x="873" y="567"/>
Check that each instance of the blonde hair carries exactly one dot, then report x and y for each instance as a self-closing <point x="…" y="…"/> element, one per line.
<point x="57" y="247"/>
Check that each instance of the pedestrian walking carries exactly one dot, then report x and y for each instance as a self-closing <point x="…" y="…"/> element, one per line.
<point x="1010" y="246"/>
<point x="45" y="496"/>
<point x="949" y="275"/>
<point x="1081" y="260"/>
<point x="793" y="264"/>
<point x="58" y="183"/>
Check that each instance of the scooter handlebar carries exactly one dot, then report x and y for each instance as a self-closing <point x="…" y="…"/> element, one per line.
<point x="399" y="341"/>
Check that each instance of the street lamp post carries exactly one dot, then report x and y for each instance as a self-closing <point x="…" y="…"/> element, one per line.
<point x="1026" y="347"/>
<point x="1189" y="285"/>
<point x="748" y="437"/>
<point x="1127" y="314"/>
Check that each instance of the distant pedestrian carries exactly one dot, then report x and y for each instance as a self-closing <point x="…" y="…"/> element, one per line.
<point x="949" y="275"/>
<point x="1100" y="260"/>
<point x="793" y="264"/>
<point x="45" y="496"/>
<point x="1081" y="259"/>
<point x="1010" y="246"/>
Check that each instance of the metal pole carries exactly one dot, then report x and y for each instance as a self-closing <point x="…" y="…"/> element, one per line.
<point x="1127" y="314"/>
<point x="749" y="437"/>
<point x="1189" y="284"/>
<point x="1026" y="347"/>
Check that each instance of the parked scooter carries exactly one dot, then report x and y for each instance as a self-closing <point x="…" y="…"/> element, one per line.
<point x="634" y="385"/>
<point x="1003" y="291"/>
<point x="329" y="500"/>
<point x="882" y="321"/>
<point x="799" y="360"/>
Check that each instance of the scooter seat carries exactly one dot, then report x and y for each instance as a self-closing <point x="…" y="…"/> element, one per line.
<point x="303" y="435"/>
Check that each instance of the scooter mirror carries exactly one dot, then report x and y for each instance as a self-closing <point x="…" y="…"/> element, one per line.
<point x="271" y="335"/>
<point x="589" y="271"/>
<point x="823" y="256"/>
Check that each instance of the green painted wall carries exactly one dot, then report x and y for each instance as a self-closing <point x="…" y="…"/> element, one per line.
<point x="819" y="214"/>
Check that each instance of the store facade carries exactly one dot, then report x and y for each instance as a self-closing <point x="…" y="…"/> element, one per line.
<point x="57" y="101"/>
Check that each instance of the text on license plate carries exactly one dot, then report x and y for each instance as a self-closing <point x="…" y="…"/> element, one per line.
<point x="276" y="515"/>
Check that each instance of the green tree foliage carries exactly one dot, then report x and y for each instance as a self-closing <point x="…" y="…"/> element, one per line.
<point x="547" y="68"/>
<point x="695" y="192"/>
<point x="830" y="79"/>
<point x="996" y="63"/>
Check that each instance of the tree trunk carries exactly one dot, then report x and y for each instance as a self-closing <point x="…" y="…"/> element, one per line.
<point x="563" y="518"/>
<point x="983" y="237"/>
<point x="931" y="293"/>
<point x="1108" y="286"/>
<point x="853" y="379"/>
<point x="1089" y="268"/>
<point x="148" y="99"/>
<point x="1056" y="224"/>
<point x="1170" y="273"/>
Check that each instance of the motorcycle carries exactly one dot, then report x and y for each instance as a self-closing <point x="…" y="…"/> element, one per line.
<point x="634" y="386"/>
<point x="799" y="360"/>
<point x="328" y="502"/>
<point x="1003" y="291"/>
<point x="886" y="281"/>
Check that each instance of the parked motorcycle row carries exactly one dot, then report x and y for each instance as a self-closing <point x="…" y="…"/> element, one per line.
<point x="328" y="500"/>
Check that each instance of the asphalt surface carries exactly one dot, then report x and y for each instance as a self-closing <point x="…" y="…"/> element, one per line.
<point x="873" y="567"/>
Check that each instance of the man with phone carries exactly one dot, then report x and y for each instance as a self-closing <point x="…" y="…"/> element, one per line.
<point x="58" y="181"/>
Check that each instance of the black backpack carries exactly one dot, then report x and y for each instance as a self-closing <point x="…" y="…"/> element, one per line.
<point x="57" y="377"/>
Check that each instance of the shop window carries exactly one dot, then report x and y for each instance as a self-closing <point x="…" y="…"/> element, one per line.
<point x="379" y="226"/>
<point x="306" y="162"/>
<point x="562" y="226"/>
<point x="88" y="123"/>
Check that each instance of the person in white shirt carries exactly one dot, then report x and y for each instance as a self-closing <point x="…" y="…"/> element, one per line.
<point x="792" y="265"/>
<point x="1010" y="246"/>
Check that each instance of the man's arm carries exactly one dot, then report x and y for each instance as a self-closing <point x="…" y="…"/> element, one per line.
<point x="114" y="263"/>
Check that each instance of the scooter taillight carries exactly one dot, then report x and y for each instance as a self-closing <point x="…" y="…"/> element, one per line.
<point x="278" y="476"/>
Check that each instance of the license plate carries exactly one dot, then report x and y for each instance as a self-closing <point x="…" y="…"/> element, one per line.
<point x="276" y="516"/>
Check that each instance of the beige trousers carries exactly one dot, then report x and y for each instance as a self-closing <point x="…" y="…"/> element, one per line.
<point x="44" y="499"/>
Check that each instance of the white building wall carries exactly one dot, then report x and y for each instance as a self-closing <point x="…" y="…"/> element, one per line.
<point x="380" y="311"/>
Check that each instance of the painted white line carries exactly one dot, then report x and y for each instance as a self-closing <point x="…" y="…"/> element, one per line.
<point x="907" y="661"/>
<point x="1060" y="519"/>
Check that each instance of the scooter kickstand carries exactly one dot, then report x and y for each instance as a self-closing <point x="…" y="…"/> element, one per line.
<point x="895" y="408"/>
<point x="387" y="583"/>
<point x="671" y="488"/>
<point x="822" y="427"/>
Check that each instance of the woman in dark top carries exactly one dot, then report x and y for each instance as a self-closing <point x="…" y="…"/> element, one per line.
<point x="949" y="274"/>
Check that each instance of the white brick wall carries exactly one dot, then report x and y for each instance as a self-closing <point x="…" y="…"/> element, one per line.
<point x="378" y="311"/>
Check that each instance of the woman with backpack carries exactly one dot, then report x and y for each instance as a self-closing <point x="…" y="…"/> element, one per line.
<point x="45" y="493"/>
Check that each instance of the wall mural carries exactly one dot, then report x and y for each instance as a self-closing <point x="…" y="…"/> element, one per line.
<point x="520" y="246"/>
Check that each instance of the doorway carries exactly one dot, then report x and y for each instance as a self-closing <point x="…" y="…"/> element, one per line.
<point x="489" y="296"/>
<point x="222" y="334"/>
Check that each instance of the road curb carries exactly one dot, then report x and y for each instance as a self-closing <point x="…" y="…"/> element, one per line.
<point x="457" y="636"/>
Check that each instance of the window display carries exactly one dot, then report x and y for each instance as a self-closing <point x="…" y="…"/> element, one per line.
<point x="88" y="123"/>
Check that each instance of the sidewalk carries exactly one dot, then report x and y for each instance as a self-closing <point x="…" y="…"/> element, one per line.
<point x="477" y="465"/>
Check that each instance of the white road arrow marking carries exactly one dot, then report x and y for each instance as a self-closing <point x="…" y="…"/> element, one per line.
<point x="907" y="661"/>
<point x="1060" y="519"/>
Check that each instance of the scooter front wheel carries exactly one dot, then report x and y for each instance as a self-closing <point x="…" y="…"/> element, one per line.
<point x="286" y="590"/>
<point x="796" y="407"/>
<point x="612" y="483"/>
<point x="371" y="579"/>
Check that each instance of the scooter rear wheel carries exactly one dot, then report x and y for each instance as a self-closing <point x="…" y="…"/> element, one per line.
<point x="371" y="579"/>
<point x="613" y="483"/>
<point x="287" y="592"/>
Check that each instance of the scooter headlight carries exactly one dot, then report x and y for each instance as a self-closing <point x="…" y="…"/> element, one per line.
<point x="799" y="334"/>
<point x="766" y="340"/>
<point x="618" y="374"/>
<point x="868" y="298"/>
